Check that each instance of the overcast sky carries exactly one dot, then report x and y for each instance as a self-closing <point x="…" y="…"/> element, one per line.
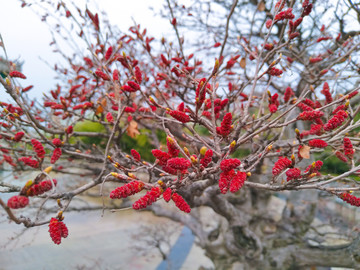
<point x="27" y="38"/>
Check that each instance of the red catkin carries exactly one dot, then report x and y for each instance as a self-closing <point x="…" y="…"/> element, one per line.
<point x="180" y="116"/>
<point x="149" y="198"/>
<point x="18" y="136"/>
<point x="293" y="174"/>
<point x="350" y="199"/>
<point x="17" y="74"/>
<point x="281" y="165"/>
<point x="326" y="92"/>
<point x="341" y="156"/>
<point x="288" y="94"/>
<point x="318" y="143"/>
<point x="181" y="203"/>
<point x="226" y="123"/>
<point x="167" y="194"/>
<point x="336" y="120"/>
<point x="135" y="154"/>
<point x="348" y="148"/>
<point x="178" y="163"/>
<point x="127" y="190"/>
<point x="41" y="188"/>
<point x="163" y="157"/>
<point x="310" y="115"/>
<point x="205" y="161"/>
<point x="17" y="201"/>
<point x="29" y="162"/>
<point x="237" y="182"/>
<point x="224" y="181"/>
<point x="229" y="164"/>
<point x="56" y="155"/>
<point x="172" y="148"/>
<point x="57" y="142"/>
<point x="57" y="230"/>
<point x="38" y="148"/>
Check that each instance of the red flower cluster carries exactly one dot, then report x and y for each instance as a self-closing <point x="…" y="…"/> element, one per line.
<point x="109" y="117"/>
<point x="293" y="174"/>
<point x="310" y="115"/>
<point x="237" y="182"/>
<point x="135" y="154"/>
<point x="131" y="87"/>
<point x="57" y="142"/>
<point x="288" y="94"/>
<point x="29" y="162"/>
<point x="348" y="148"/>
<point x="314" y="130"/>
<point x="56" y="155"/>
<point x="304" y="107"/>
<point x="318" y="143"/>
<point x="57" y="230"/>
<point x="138" y="74"/>
<point x="336" y="120"/>
<point x="18" y="136"/>
<point x="326" y="92"/>
<point x="281" y="165"/>
<point x="127" y="190"/>
<point x="180" y="116"/>
<point x="163" y="157"/>
<point x="207" y="158"/>
<point x="167" y="194"/>
<point x="17" y="74"/>
<point x="181" y="203"/>
<point x="41" y="188"/>
<point x="350" y="199"/>
<point x="226" y="125"/>
<point x="178" y="164"/>
<point x="314" y="60"/>
<point x="149" y="198"/>
<point x="341" y="156"/>
<point x="16" y="202"/>
<point x="227" y="165"/>
<point x="284" y="15"/>
<point x="225" y="179"/>
<point x="38" y="148"/>
<point x="274" y="71"/>
<point x="69" y="130"/>
<point x="172" y="148"/>
<point x="102" y="75"/>
<point x="314" y="167"/>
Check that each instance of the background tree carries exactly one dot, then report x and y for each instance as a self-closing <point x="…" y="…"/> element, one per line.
<point x="215" y="119"/>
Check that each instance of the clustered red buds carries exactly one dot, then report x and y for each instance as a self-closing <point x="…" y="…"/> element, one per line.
<point x="167" y="194"/>
<point x="341" y="156"/>
<point x="227" y="165"/>
<point x="109" y="117"/>
<point x="336" y="120"/>
<point x="205" y="161"/>
<point x="57" y="230"/>
<point x="38" y="148"/>
<point x="17" y="74"/>
<point x="314" y="167"/>
<point x="224" y="180"/>
<point x="135" y="154"/>
<point x="149" y="198"/>
<point x="173" y="150"/>
<point x="237" y="181"/>
<point x="310" y="115"/>
<point x="288" y="94"/>
<point x="29" y="162"/>
<point x="178" y="163"/>
<point x="56" y="155"/>
<point x="57" y="142"/>
<point x="127" y="190"/>
<point x="318" y="143"/>
<point x="226" y="125"/>
<point x="102" y="75"/>
<point x="293" y="174"/>
<point x="41" y="188"/>
<point x="181" y="203"/>
<point x="18" y="201"/>
<point x="326" y="92"/>
<point x="284" y="15"/>
<point x="274" y="71"/>
<point x="18" y="136"/>
<point x="348" y="148"/>
<point x="280" y="165"/>
<point x="162" y="156"/>
<point x="350" y="199"/>
<point x="180" y="116"/>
